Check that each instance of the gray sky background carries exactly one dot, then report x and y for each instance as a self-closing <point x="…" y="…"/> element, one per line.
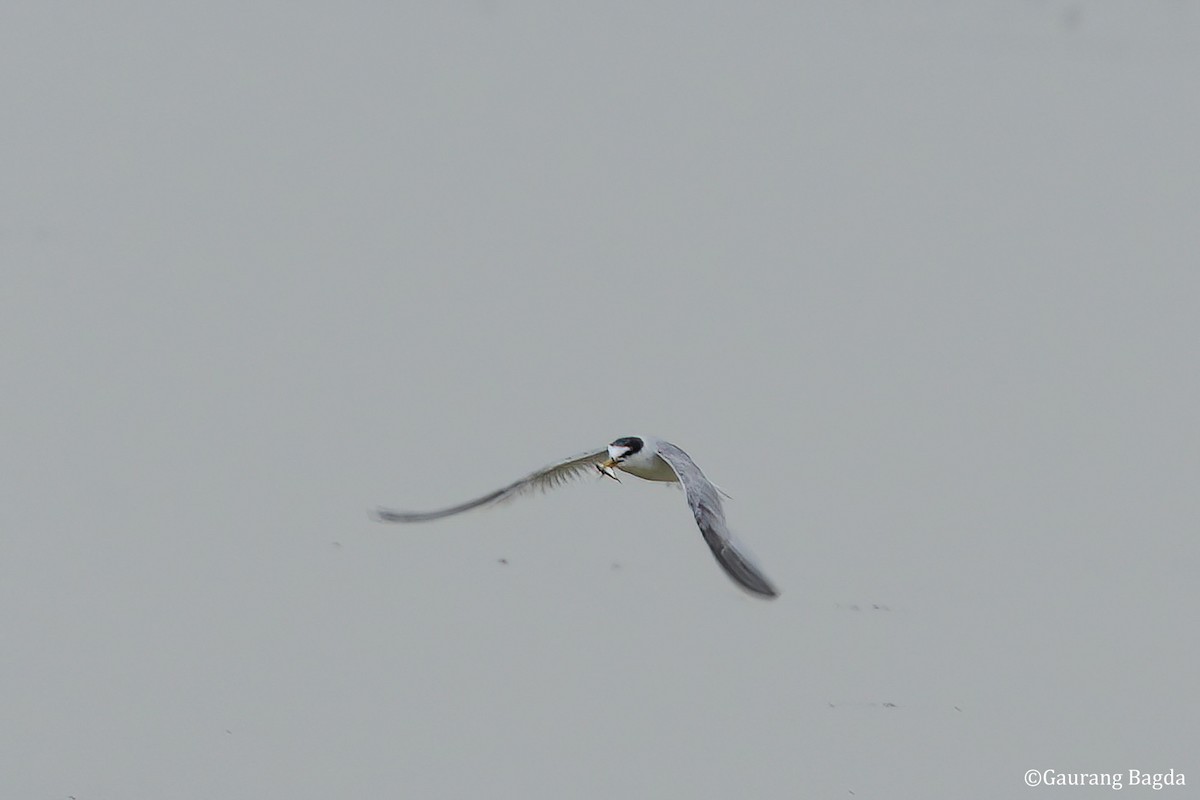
<point x="916" y="283"/>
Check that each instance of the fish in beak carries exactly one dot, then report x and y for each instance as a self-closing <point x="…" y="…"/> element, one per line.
<point x="606" y="468"/>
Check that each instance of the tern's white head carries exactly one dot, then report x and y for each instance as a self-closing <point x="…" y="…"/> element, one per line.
<point x="624" y="448"/>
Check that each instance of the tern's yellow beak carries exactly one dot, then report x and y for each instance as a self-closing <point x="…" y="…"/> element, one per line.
<point x="607" y="469"/>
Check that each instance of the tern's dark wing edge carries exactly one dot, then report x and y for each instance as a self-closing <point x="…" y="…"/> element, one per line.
<point x="705" y="501"/>
<point x="546" y="478"/>
<point x="736" y="565"/>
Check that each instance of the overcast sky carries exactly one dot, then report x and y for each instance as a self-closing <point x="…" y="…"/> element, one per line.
<point x="917" y="284"/>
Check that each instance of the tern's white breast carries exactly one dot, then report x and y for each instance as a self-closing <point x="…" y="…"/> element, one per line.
<point x="648" y="466"/>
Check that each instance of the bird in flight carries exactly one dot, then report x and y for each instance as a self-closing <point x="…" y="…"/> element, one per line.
<point x="644" y="457"/>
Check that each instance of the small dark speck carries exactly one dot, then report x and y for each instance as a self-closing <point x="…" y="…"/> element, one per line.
<point x="889" y="705"/>
<point x="228" y="731"/>
<point x="338" y="545"/>
<point x="501" y="560"/>
<point x="879" y="607"/>
<point x="956" y="708"/>
<point x="615" y="565"/>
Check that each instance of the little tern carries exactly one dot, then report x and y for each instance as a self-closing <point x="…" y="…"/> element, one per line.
<point x="643" y="457"/>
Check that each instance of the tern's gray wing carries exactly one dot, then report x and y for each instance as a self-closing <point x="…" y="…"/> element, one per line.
<point x="705" y="503"/>
<point x="543" y="479"/>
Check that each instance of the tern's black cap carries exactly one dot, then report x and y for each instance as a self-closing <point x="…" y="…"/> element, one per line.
<point x="633" y="443"/>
